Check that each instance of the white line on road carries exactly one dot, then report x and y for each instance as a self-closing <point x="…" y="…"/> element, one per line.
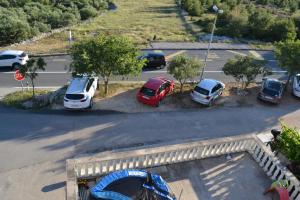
<point x="256" y="55"/>
<point x="145" y="72"/>
<point x="219" y="71"/>
<point x="238" y="53"/>
<point x="59" y="60"/>
<point x="61" y="72"/>
<point x="40" y="87"/>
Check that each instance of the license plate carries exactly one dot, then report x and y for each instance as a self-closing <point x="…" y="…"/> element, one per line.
<point x="268" y="97"/>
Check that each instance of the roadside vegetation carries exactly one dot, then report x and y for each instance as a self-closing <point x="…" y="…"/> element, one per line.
<point x="106" y="56"/>
<point x="262" y="20"/>
<point x="141" y="21"/>
<point x="23" y="19"/>
<point x="16" y="99"/>
<point x="245" y="70"/>
<point x="184" y="68"/>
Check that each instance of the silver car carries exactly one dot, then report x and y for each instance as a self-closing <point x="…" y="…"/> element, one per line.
<point x="207" y="91"/>
<point x="296" y="85"/>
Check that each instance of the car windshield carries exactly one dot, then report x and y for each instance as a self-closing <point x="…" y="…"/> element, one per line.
<point x="201" y="90"/>
<point x="298" y="79"/>
<point x="74" y="96"/>
<point x="23" y="55"/>
<point x="273" y="85"/>
<point x="270" y="92"/>
<point x="147" y="91"/>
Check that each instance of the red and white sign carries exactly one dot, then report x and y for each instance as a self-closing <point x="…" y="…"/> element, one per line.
<point x="19" y="76"/>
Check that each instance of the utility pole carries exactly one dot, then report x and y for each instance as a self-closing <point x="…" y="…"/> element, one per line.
<point x="216" y="9"/>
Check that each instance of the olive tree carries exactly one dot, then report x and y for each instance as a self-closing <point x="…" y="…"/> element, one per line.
<point x="245" y="69"/>
<point x="288" y="54"/>
<point x="30" y="70"/>
<point x="184" y="68"/>
<point x="106" y="56"/>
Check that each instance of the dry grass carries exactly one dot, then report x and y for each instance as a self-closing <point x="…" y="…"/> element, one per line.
<point x="115" y="89"/>
<point x="138" y="20"/>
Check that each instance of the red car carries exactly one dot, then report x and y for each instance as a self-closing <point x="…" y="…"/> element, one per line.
<point x="155" y="90"/>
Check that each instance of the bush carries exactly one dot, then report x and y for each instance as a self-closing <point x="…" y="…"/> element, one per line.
<point x="13" y="30"/>
<point x="88" y="12"/>
<point x="282" y="30"/>
<point x="289" y="144"/>
<point x="193" y="7"/>
<point x="23" y="19"/>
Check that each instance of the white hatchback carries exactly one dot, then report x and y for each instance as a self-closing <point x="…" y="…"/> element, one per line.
<point x="13" y="59"/>
<point x="80" y="93"/>
<point x="207" y="91"/>
<point x="296" y="85"/>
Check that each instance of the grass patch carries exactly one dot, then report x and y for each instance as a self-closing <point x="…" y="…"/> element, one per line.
<point x="138" y="20"/>
<point x="16" y="99"/>
<point x="116" y="88"/>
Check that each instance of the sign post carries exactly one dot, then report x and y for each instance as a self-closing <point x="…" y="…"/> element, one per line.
<point x="19" y="77"/>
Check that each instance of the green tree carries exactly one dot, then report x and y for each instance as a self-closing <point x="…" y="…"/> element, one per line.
<point x="184" y="68"/>
<point x="283" y="29"/>
<point x="288" y="54"/>
<point x="245" y="69"/>
<point x="30" y="70"/>
<point x="106" y="56"/>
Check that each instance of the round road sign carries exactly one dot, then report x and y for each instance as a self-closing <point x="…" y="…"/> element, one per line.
<point x="18" y="76"/>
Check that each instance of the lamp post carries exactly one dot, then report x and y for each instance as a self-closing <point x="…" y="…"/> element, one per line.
<point x="217" y="11"/>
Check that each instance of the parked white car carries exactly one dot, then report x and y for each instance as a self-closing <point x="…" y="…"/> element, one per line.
<point x="207" y="91"/>
<point x="80" y="93"/>
<point x="296" y="85"/>
<point x="13" y="59"/>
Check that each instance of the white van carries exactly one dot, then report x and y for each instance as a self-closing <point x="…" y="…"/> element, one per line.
<point x="80" y="93"/>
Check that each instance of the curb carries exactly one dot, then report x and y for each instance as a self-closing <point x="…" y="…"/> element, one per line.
<point x="48" y="55"/>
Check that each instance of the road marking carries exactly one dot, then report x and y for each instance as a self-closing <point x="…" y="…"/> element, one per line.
<point x="212" y="56"/>
<point x="61" y="72"/>
<point x="59" y="60"/>
<point x="40" y="87"/>
<point x="238" y="53"/>
<point x="256" y="55"/>
<point x="168" y="57"/>
<point x="218" y="71"/>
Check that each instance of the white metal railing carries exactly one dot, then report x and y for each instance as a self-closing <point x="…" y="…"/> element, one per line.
<point x="97" y="165"/>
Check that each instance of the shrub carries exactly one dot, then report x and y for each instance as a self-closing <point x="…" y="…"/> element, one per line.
<point x="88" y="12"/>
<point x="289" y="144"/>
<point x="282" y="30"/>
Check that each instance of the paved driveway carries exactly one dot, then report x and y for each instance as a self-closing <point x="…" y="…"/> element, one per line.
<point x="34" y="146"/>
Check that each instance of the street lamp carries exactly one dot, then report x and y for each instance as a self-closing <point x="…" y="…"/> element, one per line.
<point x="217" y="11"/>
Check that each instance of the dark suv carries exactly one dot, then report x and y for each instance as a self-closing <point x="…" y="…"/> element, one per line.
<point x="154" y="60"/>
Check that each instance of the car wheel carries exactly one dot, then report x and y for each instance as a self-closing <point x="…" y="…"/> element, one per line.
<point x="158" y="103"/>
<point x="15" y="66"/>
<point x="91" y="104"/>
<point x="210" y="103"/>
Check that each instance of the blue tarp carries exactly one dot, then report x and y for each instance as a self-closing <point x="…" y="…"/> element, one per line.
<point x="159" y="185"/>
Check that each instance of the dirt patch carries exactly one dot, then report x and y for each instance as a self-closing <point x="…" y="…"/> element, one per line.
<point x="124" y="99"/>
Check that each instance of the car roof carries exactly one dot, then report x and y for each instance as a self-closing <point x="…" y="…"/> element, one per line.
<point x="11" y="52"/>
<point x="155" y="83"/>
<point x="208" y="83"/>
<point x="77" y="85"/>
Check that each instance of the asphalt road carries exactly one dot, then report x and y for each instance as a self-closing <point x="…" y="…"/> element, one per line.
<point x="57" y="74"/>
<point x="34" y="146"/>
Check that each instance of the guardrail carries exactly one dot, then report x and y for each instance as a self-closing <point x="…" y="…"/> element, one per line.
<point x="101" y="164"/>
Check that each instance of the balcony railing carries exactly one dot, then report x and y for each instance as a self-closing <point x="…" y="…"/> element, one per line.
<point x="103" y="163"/>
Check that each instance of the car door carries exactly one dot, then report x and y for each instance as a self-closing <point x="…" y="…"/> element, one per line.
<point x="161" y="92"/>
<point x="90" y="87"/>
<point x="2" y="61"/>
<point x="9" y="60"/>
<point x="214" y="92"/>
